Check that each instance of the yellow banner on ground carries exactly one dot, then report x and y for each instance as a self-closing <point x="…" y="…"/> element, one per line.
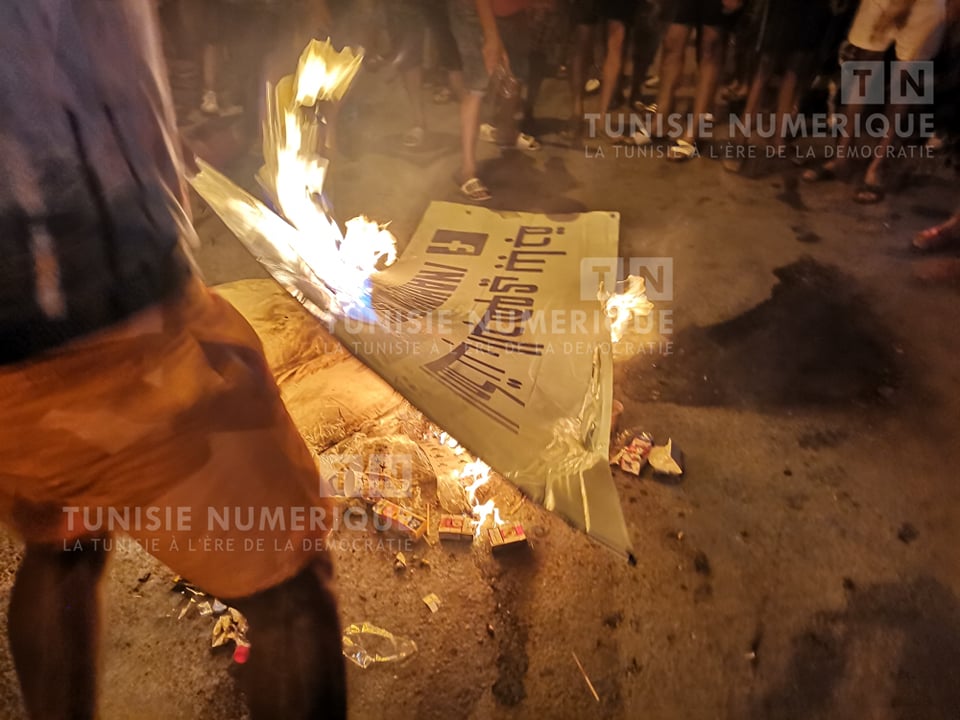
<point x="483" y="325"/>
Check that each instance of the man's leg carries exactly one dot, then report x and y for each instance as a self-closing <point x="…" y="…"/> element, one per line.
<point x="671" y="67"/>
<point x="582" y="46"/>
<point x="646" y="41"/>
<point x="413" y="84"/>
<point x="469" y="131"/>
<point x="54" y="627"/>
<point x="874" y="180"/>
<point x="296" y="668"/>
<point x="711" y="61"/>
<point x="612" y="63"/>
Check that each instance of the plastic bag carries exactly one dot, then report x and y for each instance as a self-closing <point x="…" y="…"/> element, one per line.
<point x="366" y="644"/>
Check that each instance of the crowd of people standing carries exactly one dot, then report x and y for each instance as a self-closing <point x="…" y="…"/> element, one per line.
<point x="760" y="59"/>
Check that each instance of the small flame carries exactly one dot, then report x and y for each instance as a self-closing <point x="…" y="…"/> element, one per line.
<point x="473" y="476"/>
<point x="622" y="308"/>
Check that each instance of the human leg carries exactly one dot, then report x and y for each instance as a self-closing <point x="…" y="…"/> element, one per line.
<point x="54" y="626"/>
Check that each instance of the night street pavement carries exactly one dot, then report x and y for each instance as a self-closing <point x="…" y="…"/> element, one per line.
<point x="807" y="565"/>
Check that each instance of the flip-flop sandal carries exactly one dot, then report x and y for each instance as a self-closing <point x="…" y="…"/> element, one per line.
<point x="527" y="142"/>
<point x="473" y="189"/>
<point x="869" y="194"/>
<point x="936" y="238"/>
<point x="681" y="151"/>
<point x="413" y="138"/>
<point x="639" y="138"/>
<point x="821" y="173"/>
<point x="488" y="133"/>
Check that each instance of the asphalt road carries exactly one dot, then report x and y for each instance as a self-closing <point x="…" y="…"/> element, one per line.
<point x="805" y="567"/>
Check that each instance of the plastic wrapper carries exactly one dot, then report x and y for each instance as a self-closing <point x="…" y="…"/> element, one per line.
<point x="432" y="602"/>
<point x="232" y="625"/>
<point x="667" y="459"/>
<point x="365" y="644"/>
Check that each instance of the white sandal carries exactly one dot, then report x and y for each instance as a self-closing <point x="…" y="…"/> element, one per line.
<point x="414" y="137"/>
<point x="474" y="189"/>
<point x="638" y="138"/>
<point x="488" y="133"/>
<point x="682" y="150"/>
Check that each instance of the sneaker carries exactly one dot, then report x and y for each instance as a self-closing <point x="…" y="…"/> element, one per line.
<point x="209" y="106"/>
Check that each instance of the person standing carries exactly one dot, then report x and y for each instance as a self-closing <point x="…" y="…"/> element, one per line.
<point x="711" y="19"/>
<point x="615" y="15"/>
<point x="127" y="384"/>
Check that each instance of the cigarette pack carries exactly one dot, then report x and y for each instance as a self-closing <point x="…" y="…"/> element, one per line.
<point x="401" y="519"/>
<point x="507" y="537"/>
<point x="456" y="527"/>
<point x="636" y="450"/>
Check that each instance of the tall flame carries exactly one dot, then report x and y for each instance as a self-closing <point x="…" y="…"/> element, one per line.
<point x="304" y="233"/>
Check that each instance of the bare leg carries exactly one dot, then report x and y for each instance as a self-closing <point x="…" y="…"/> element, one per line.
<point x="759" y="85"/>
<point x="583" y="43"/>
<point x="295" y="670"/>
<point x="786" y="101"/>
<point x="413" y="83"/>
<point x="210" y="67"/>
<point x="873" y="181"/>
<point x="616" y="32"/>
<point x="469" y="130"/>
<point x="671" y="68"/>
<point x="457" y="85"/>
<point x="538" y="71"/>
<point x="54" y="626"/>
<point x="937" y="237"/>
<point x="711" y="62"/>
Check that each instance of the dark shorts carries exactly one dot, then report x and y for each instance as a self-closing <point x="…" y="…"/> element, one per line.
<point x="469" y="36"/>
<point x="410" y="20"/>
<point x="702" y="13"/>
<point x="590" y="12"/>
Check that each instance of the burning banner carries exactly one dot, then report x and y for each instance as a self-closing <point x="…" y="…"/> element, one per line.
<point x="481" y="324"/>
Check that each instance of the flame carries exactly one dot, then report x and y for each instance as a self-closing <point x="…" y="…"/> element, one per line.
<point x="294" y="174"/>
<point x="621" y="308"/>
<point x="473" y="476"/>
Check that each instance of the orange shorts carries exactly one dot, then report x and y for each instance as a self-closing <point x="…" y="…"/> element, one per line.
<point x="168" y="429"/>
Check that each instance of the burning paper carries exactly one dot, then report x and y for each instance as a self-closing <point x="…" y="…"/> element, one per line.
<point x="622" y="308"/>
<point x="464" y="325"/>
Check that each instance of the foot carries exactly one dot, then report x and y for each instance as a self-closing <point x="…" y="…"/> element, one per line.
<point x="830" y="170"/>
<point x="209" y="105"/>
<point x="682" y="150"/>
<point x="939" y="270"/>
<point x="413" y="138"/>
<point x="939" y="236"/>
<point x="638" y="138"/>
<point x="474" y="189"/>
<point x="873" y="189"/>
